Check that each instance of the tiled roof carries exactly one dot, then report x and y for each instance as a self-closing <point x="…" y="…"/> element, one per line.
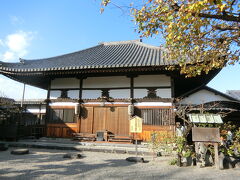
<point x="31" y="101"/>
<point x="227" y="95"/>
<point x="105" y="55"/>
<point x="234" y="93"/>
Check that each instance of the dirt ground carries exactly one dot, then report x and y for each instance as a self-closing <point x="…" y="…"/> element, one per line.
<point x="50" y="164"/>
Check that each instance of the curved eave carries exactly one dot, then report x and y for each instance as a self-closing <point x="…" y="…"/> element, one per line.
<point x="8" y="70"/>
<point x="181" y="84"/>
<point x="39" y="78"/>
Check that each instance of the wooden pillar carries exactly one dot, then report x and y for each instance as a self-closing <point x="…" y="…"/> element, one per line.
<point x="39" y="115"/>
<point x="172" y="88"/>
<point x="216" y="155"/>
<point x="47" y="106"/>
<point x="132" y="87"/>
<point x="23" y="94"/>
<point x="80" y="90"/>
<point x="79" y="101"/>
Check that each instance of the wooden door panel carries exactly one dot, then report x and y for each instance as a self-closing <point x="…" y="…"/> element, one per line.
<point x="99" y="119"/>
<point x="86" y="120"/>
<point x="123" y="121"/>
<point x="113" y="119"/>
<point x="111" y="123"/>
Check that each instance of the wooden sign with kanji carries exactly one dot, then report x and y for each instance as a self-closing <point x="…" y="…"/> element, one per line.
<point x="136" y="124"/>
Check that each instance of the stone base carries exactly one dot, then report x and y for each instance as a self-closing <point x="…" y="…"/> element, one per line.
<point x="20" y="151"/>
<point x="135" y="159"/>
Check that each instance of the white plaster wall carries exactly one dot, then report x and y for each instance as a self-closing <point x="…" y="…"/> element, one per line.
<point x="140" y="93"/>
<point x="153" y="104"/>
<point x="55" y="94"/>
<point x="36" y="108"/>
<point x="70" y="104"/>
<point x="65" y="83"/>
<point x="91" y="94"/>
<point x="106" y="82"/>
<point x="203" y="96"/>
<point x="152" y="81"/>
<point x="164" y="93"/>
<point x="73" y="94"/>
<point x="121" y="93"/>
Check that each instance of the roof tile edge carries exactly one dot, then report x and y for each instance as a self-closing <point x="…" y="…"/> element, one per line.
<point x="137" y="41"/>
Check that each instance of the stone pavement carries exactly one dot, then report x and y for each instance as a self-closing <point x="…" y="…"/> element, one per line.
<point x="68" y="144"/>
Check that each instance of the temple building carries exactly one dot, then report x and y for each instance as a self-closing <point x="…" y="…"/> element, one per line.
<point x="102" y="87"/>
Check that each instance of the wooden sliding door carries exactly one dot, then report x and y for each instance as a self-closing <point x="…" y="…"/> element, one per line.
<point x="99" y="119"/>
<point x="113" y="119"/>
<point x="123" y="121"/>
<point x="86" y="124"/>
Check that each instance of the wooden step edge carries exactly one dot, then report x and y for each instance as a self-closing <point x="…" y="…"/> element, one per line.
<point x="118" y="140"/>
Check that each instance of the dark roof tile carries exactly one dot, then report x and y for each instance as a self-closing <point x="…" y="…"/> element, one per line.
<point x="105" y="55"/>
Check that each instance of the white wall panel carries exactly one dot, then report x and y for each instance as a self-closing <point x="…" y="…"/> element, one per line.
<point x="140" y="93"/>
<point x="36" y="110"/>
<point x="120" y="93"/>
<point x="106" y="82"/>
<point x="203" y="96"/>
<point x="153" y="104"/>
<point x="61" y="83"/>
<point x="164" y="93"/>
<point x="70" y="104"/>
<point x="55" y="94"/>
<point x="152" y="81"/>
<point x="73" y="94"/>
<point x="91" y="94"/>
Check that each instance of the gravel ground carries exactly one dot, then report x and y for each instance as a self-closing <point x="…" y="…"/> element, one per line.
<point x="50" y="164"/>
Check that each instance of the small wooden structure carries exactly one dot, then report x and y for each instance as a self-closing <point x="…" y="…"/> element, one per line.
<point x="206" y="135"/>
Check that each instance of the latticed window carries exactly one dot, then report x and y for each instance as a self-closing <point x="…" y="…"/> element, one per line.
<point x="162" y="117"/>
<point x="61" y="116"/>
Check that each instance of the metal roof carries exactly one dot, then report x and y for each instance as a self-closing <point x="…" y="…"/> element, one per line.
<point x="234" y="93"/>
<point x="205" y="118"/>
<point x="105" y="55"/>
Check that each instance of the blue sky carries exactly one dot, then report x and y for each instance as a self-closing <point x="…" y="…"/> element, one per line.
<point x="40" y="29"/>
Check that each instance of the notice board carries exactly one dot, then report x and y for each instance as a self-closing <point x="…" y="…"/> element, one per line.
<point x="136" y="124"/>
<point x="205" y="134"/>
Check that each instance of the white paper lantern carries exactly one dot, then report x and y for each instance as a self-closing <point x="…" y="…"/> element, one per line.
<point x="130" y="110"/>
<point x="77" y="109"/>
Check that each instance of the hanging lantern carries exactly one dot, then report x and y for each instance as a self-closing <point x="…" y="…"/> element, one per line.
<point x="130" y="110"/>
<point x="77" y="109"/>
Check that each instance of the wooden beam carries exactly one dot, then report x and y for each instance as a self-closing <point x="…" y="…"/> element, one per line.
<point x="132" y="87"/>
<point x="80" y="90"/>
<point x="172" y="88"/>
<point x="47" y="105"/>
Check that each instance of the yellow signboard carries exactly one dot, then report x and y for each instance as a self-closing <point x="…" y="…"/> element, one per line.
<point x="136" y="124"/>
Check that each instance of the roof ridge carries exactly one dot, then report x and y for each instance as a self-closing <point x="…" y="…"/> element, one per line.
<point x="136" y="41"/>
<point x="118" y="42"/>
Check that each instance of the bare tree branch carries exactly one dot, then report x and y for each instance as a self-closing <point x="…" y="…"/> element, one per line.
<point x="226" y="28"/>
<point x="224" y="17"/>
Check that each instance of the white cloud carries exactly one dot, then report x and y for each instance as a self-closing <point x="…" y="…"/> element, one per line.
<point x="17" y="42"/>
<point x="1" y="43"/>
<point x="8" y="56"/>
<point x="16" y="45"/>
<point x="16" y="20"/>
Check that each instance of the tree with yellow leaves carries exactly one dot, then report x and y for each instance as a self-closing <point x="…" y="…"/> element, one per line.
<point x="200" y="34"/>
